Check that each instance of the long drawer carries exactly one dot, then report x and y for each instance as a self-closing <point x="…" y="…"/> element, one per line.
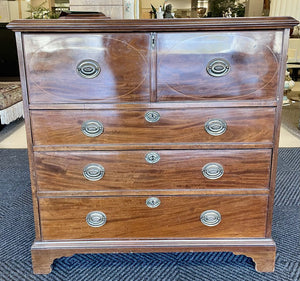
<point x="213" y="125"/>
<point x="162" y="169"/>
<point x="153" y="217"/>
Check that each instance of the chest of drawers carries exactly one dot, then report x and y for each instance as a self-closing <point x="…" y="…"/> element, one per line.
<point x="152" y="135"/>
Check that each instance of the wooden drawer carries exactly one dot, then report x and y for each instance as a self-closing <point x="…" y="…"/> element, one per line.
<point x="185" y="58"/>
<point x="176" y="216"/>
<point x="64" y="127"/>
<point x="129" y="170"/>
<point x="52" y="61"/>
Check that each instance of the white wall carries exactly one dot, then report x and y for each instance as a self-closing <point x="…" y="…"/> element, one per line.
<point x="180" y="4"/>
<point x="14" y="10"/>
<point x="254" y="8"/>
<point x="285" y="8"/>
<point x="9" y="10"/>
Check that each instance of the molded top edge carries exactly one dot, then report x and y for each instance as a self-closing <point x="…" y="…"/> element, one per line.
<point x="148" y="25"/>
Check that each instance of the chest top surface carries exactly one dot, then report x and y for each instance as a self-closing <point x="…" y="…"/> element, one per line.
<point x="104" y="25"/>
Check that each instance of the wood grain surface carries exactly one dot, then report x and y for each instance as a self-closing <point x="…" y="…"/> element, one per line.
<point x="51" y="66"/>
<point x="244" y="125"/>
<point x="262" y="251"/>
<point x="153" y="65"/>
<point x="154" y="25"/>
<point x="176" y="169"/>
<point x="177" y="216"/>
<point x="183" y="58"/>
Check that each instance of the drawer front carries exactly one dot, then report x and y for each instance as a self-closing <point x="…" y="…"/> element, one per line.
<point x="219" y="65"/>
<point x="216" y="125"/>
<point x="64" y="68"/>
<point x="174" y="216"/>
<point x="152" y="170"/>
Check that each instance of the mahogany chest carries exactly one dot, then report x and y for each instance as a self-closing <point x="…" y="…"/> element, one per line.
<point x="152" y="135"/>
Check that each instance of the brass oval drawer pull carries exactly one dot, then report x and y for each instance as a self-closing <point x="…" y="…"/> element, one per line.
<point x="93" y="172"/>
<point x="152" y="116"/>
<point x="215" y="127"/>
<point x="218" y="67"/>
<point x="152" y="157"/>
<point x="152" y="202"/>
<point x="96" y="219"/>
<point x="210" y="218"/>
<point x="213" y="171"/>
<point x="88" y="69"/>
<point x="92" y="128"/>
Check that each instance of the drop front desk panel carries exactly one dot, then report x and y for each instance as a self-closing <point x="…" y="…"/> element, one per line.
<point x="152" y="135"/>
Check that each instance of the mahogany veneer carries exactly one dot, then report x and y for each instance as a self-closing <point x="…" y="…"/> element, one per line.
<point x="244" y="125"/>
<point x="152" y="135"/>
<point x="177" y="216"/>
<point x="177" y="169"/>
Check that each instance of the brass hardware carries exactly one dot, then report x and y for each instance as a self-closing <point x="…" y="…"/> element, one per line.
<point x="93" y="172"/>
<point x="92" y="128"/>
<point x="210" y="218"/>
<point x="152" y="116"/>
<point x="88" y="69"/>
<point x="152" y="157"/>
<point x="96" y="219"/>
<point x="215" y="127"/>
<point x="213" y="171"/>
<point x="152" y="202"/>
<point x="153" y="41"/>
<point x="218" y="67"/>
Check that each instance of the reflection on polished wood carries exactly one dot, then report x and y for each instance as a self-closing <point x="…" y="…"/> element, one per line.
<point x="216" y="86"/>
<point x="52" y="61"/>
<point x="244" y="125"/>
<point x="177" y="216"/>
<point x="183" y="59"/>
<point x="178" y="169"/>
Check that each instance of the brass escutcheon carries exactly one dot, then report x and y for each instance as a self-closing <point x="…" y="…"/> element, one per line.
<point x="215" y="127"/>
<point x="213" y="171"/>
<point x="210" y="218"/>
<point x="93" y="172"/>
<point x="88" y="69"/>
<point x="152" y="202"/>
<point x="96" y="219"/>
<point x="92" y="128"/>
<point x="218" y="67"/>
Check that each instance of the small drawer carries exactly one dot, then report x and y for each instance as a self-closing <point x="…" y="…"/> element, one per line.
<point x="155" y="126"/>
<point x="153" y="217"/>
<point x="152" y="170"/>
<point x="232" y="65"/>
<point x="68" y="68"/>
